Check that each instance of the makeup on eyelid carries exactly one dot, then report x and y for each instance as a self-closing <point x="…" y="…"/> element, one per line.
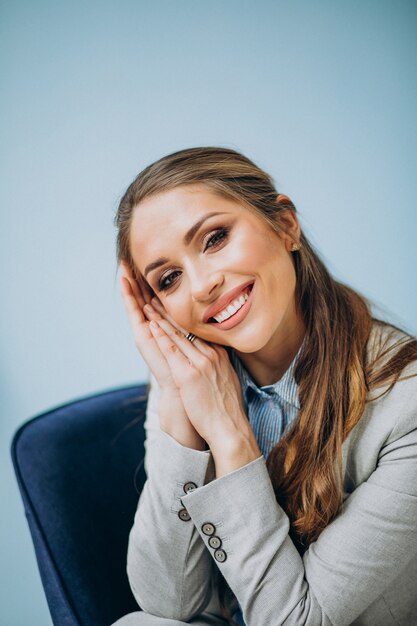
<point x="223" y="230"/>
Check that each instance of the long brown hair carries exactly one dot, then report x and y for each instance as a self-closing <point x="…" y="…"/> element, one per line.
<point x="334" y="371"/>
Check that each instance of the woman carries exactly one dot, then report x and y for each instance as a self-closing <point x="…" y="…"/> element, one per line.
<point x="281" y="450"/>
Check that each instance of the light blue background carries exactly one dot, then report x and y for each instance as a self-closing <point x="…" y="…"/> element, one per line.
<point x="321" y="94"/>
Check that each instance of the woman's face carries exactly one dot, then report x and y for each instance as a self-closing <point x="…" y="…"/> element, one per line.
<point x="230" y="250"/>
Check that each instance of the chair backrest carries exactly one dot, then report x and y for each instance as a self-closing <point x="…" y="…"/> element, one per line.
<point x="80" y="472"/>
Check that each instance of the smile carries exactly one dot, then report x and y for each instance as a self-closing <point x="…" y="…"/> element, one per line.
<point x="235" y="312"/>
<point x="233" y="307"/>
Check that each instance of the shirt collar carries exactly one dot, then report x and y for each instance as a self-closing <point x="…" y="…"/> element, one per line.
<point x="285" y="388"/>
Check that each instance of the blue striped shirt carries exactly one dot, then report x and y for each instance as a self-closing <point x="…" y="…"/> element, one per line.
<point x="270" y="409"/>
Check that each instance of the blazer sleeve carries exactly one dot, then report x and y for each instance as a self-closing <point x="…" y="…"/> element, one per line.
<point x="354" y="559"/>
<point x="169" y="568"/>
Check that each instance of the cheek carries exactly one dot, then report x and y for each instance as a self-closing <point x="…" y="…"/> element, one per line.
<point x="248" y="253"/>
<point x="180" y="313"/>
<point x="284" y="277"/>
<point x="264" y="248"/>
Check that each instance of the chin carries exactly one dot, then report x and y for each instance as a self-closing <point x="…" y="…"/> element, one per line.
<point x="248" y="347"/>
<point x="250" y="344"/>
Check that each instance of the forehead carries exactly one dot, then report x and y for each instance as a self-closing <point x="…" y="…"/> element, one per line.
<point x="180" y="206"/>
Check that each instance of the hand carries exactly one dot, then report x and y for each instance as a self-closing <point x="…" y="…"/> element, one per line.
<point x="210" y="390"/>
<point x="173" y="418"/>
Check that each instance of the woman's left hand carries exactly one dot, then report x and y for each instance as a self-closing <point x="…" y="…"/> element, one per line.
<point x="211" y="393"/>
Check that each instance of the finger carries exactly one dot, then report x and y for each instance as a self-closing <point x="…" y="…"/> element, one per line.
<point x="174" y="332"/>
<point x="134" y="312"/>
<point x="127" y="273"/>
<point x="140" y="288"/>
<point x="199" y="343"/>
<point x="158" y="306"/>
<point x="151" y="313"/>
<point x="195" y="351"/>
<point x="144" y="338"/>
<point x="173" y="353"/>
<point x="147" y="292"/>
<point x="137" y="319"/>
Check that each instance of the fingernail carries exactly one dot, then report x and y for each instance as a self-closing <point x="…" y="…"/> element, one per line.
<point x="148" y="308"/>
<point x="153" y="324"/>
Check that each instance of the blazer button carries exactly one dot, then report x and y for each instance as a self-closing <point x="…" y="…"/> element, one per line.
<point x="220" y="555"/>
<point x="184" y="515"/>
<point x="189" y="487"/>
<point x="215" y="542"/>
<point x="208" y="528"/>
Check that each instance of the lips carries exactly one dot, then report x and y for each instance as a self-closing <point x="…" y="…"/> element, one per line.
<point x="225" y="300"/>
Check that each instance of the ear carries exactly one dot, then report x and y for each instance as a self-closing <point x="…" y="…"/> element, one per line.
<point x="288" y="221"/>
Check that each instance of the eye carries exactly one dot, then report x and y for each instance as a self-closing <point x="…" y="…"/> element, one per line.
<point x="163" y="284"/>
<point x="217" y="237"/>
<point x="214" y="240"/>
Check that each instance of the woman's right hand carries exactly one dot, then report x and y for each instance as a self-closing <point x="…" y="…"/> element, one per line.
<point x="172" y="415"/>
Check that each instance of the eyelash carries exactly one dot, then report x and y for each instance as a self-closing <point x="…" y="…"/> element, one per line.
<point x="224" y="232"/>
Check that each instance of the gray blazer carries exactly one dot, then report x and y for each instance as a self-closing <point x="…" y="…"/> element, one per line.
<point x="362" y="570"/>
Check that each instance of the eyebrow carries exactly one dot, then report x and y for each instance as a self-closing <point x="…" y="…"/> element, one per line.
<point x="188" y="237"/>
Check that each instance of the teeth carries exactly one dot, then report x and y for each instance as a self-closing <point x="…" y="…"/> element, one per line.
<point x="232" y="308"/>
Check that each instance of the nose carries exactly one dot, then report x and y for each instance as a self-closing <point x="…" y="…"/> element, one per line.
<point x="204" y="287"/>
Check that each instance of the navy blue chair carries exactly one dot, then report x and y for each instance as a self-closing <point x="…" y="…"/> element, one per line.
<point x="80" y="472"/>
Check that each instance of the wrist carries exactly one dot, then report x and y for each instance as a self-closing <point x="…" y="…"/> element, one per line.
<point x="185" y="436"/>
<point x="233" y="453"/>
<point x="174" y="421"/>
